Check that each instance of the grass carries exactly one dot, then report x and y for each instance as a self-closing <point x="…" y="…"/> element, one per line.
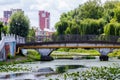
<point x="71" y="53"/>
<point x="16" y="60"/>
<point x="32" y="54"/>
<point x="10" y="64"/>
<point x="78" y="51"/>
<point x="115" y="52"/>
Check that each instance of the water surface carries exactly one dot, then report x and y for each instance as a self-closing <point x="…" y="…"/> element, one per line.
<point x="39" y="70"/>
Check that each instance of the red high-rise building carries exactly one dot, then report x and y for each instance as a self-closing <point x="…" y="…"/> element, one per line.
<point x="44" y="20"/>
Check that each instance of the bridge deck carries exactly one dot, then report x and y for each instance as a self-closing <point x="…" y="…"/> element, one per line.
<point x="90" y="44"/>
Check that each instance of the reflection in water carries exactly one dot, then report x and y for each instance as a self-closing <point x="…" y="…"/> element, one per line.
<point x="8" y="76"/>
<point x="55" y="67"/>
<point x="47" y="69"/>
<point x="44" y="71"/>
<point x="64" y="68"/>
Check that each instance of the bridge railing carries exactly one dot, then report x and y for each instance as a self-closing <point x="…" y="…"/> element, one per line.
<point x="72" y="38"/>
<point x="20" y="39"/>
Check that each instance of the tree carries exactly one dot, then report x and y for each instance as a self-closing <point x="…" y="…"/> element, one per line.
<point x="110" y="4"/>
<point x="91" y="18"/>
<point x="91" y="9"/>
<point x="117" y="14"/>
<point x="19" y="24"/>
<point x="61" y="26"/>
<point x="5" y="29"/>
<point x="1" y="26"/>
<point x="31" y="32"/>
<point x="112" y="29"/>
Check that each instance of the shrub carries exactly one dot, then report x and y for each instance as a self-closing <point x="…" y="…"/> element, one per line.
<point x="33" y="54"/>
<point x="118" y="57"/>
<point x="115" y="52"/>
<point x="63" y="49"/>
<point x="9" y="56"/>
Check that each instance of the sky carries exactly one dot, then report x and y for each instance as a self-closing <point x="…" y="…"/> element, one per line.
<point x="32" y="7"/>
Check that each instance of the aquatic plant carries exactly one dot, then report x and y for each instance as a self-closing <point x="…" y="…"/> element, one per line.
<point x="13" y="68"/>
<point x="94" y="73"/>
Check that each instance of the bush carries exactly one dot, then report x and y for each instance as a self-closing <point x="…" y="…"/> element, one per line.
<point x="9" y="56"/>
<point x="63" y="49"/>
<point x="78" y="50"/>
<point x="118" y="57"/>
<point x="115" y="52"/>
<point x="33" y="54"/>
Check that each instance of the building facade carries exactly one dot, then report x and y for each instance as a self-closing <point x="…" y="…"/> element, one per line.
<point x="7" y="14"/>
<point x="44" y="20"/>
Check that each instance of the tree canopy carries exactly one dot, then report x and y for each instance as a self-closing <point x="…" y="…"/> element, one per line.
<point x="19" y="24"/>
<point x="92" y="17"/>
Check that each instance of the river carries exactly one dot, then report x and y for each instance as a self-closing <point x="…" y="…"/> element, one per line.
<point x="55" y="67"/>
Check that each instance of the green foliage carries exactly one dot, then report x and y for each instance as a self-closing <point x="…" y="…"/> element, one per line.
<point x="91" y="9"/>
<point x="116" y="52"/>
<point x="19" y="24"/>
<point x="94" y="73"/>
<point x="63" y="49"/>
<point x="118" y="57"/>
<point x="1" y="26"/>
<point x="64" y="68"/>
<point x="71" y="53"/>
<point x="92" y="18"/>
<point x="110" y="4"/>
<point x="5" y="29"/>
<point x="103" y="37"/>
<point x="112" y="29"/>
<point x="33" y="54"/>
<point x="117" y="14"/>
<point x="10" y="56"/>
<point x="31" y="32"/>
<point x="92" y="26"/>
<point x="61" y="27"/>
<point x="13" y="68"/>
<point x="79" y="50"/>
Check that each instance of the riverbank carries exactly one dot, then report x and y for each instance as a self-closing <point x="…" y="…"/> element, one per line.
<point x="33" y="56"/>
<point x="78" y="53"/>
<point x="72" y="55"/>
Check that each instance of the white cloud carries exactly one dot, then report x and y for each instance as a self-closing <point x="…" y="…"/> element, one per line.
<point x="7" y="2"/>
<point x="55" y="7"/>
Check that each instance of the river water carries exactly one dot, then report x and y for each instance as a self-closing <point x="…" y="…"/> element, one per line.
<point x="55" y="67"/>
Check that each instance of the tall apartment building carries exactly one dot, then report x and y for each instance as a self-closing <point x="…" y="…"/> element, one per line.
<point x="7" y="14"/>
<point x="44" y="20"/>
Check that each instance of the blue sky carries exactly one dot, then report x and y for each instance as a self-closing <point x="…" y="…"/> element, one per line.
<point x="31" y="8"/>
